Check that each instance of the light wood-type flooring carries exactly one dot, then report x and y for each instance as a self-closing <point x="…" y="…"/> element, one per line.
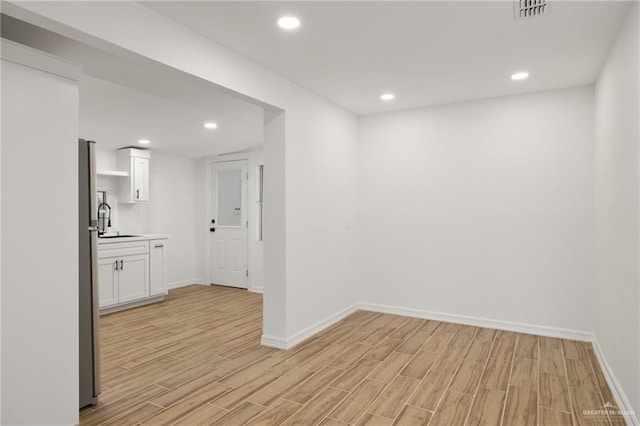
<point x="196" y="359"/>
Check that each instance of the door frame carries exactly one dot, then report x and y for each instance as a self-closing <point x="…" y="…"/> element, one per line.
<point x="254" y="159"/>
<point x="230" y="233"/>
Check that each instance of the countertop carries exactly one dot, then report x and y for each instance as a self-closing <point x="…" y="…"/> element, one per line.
<point x="138" y="237"/>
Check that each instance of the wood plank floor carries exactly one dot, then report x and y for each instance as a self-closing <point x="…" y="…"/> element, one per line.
<point x="196" y="359"/>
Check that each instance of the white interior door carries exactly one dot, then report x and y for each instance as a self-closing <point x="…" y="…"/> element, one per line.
<point x="228" y="229"/>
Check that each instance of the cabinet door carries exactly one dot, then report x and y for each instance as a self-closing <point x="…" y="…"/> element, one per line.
<point x="107" y="281"/>
<point x="140" y="179"/>
<point x="158" y="267"/>
<point x="133" y="278"/>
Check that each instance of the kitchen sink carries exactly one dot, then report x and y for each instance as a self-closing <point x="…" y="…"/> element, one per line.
<point x="117" y="236"/>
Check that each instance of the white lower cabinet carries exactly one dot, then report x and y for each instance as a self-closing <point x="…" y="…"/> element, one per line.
<point x="108" y="281"/>
<point x="133" y="278"/>
<point x="158" y="268"/>
<point x="131" y="272"/>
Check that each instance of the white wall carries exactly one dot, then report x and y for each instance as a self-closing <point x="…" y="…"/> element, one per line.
<point x="171" y="209"/>
<point x="275" y="254"/>
<point x="482" y="209"/>
<point x="202" y="237"/>
<point x="617" y="208"/>
<point x="39" y="263"/>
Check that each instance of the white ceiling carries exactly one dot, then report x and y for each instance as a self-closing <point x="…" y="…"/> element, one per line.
<point x="126" y="99"/>
<point x="427" y="53"/>
<point x="116" y="116"/>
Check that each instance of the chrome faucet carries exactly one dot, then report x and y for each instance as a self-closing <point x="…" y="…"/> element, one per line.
<point x="101" y="232"/>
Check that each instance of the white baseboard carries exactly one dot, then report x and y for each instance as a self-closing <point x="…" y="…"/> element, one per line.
<point x="135" y="304"/>
<point x="539" y="330"/>
<point x="257" y="289"/>
<point x="616" y="388"/>
<point x="273" y="342"/>
<point x="183" y="283"/>
<point x="304" y="334"/>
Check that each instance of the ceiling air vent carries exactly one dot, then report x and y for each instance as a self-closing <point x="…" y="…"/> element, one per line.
<point x="526" y="9"/>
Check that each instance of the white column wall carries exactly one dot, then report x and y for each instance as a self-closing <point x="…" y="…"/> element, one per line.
<point x="39" y="245"/>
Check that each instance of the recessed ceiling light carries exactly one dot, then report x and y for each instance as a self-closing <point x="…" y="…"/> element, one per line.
<point x="289" y="22"/>
<point x="210" y="125"/>
<point x="388" y="97"/>
<point x="144" y="141"/>
<point x="521" y="75"/>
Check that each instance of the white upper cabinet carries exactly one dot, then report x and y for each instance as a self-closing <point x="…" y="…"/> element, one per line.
<point x="135" y="187"/>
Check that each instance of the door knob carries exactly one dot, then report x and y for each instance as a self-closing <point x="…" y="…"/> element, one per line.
<point x="212" y="229"/>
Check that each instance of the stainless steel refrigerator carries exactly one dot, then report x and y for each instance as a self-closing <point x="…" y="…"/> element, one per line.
<point x="88" y="295"/>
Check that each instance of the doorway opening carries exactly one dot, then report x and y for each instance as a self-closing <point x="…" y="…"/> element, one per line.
<point x="195" y="320"/>
<point x="234" y="220"/>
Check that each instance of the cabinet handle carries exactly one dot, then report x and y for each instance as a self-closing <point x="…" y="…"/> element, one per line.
<point x="121" y="265"/>
<point x="137" y="194"/>
<point x="116" y="265"/>
<point x="159" y="246"/>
